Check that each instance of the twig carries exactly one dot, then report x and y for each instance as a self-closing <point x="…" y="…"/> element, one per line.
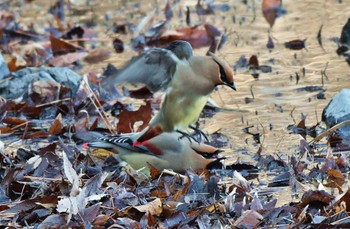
<point x="172" y="173"/>
<point x="44" y="178"/>
<point x="25" y="130"/>
<point x="330" y="130"/>
<point x="52" y="102"/>
<point x="254" y="12"/>
<point x="251" y="91"/>
<point x="291" y="115"/>
<point x="97" y="104"/>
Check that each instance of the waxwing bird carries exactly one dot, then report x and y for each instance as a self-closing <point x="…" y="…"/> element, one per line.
<point x="188" y="92"/>
<point x="165" y="151"/>
<point x="154" y="68"/>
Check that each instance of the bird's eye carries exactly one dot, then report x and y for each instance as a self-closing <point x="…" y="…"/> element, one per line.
<point x="223" y="76"/>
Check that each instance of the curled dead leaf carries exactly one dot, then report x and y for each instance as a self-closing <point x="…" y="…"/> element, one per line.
<point x="154" y="207"/>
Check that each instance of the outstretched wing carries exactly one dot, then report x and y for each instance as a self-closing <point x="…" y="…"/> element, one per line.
<point x="153" y="68"/>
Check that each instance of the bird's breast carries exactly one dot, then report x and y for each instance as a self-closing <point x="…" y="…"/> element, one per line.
<point x="189" y="111"/>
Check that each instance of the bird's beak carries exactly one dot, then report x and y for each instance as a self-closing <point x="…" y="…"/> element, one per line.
<point x="231" y="85"/>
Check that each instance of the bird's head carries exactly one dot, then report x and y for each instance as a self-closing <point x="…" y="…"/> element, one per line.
<point x="224" y="73"/>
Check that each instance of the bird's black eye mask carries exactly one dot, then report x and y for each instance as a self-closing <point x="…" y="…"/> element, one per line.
<point x="224" y="78"/>
<point x="223" y="75"/>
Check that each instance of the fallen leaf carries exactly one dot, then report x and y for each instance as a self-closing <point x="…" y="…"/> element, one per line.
<point x="317" y="199"/>
<point x="97" y="55"/>
<point x="118" y="45"/>
<point x="56" y="126"/>
<point x="154" y="207"/>
<point x="43" y="91"/>
<point x="335" y="179"/>
<point x="60" y="46"/>
<point x="154" y="172"/>
<point x="52" y="221"/>
<point x="269" y="9"/>
<point x="71" y="174"/>
<point x="12" y="65"/>
<point x="13" y="121"/>
<point x="249" y="219"/>
<point x="5" y="130"/>
<point x="141" y="93"/>
<point x="295" y="44"/>
<point x="67" y="59"/>
<point x="128" y="118"/>
<point x="37" y="134"/>
<point x="101" y="220"/>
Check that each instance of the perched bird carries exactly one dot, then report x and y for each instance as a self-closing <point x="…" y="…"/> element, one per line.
<point x="154" y="68"/>
<point x="187" y="94"/>
<point x="165" y="151"/>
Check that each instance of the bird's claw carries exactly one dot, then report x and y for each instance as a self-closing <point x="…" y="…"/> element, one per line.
<point x="199" y="132"/>
<point x="188" y="136"/>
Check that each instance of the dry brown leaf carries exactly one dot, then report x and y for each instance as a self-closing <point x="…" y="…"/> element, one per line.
<point x="12" y="65"/>
<point x="335" y="179"/>
<point x="159" y="193"/>
<point x="5" y="130"/>
<point x="153" y="171"/>
<point x="97" y="55"/>
<point x="13" y="121"/>
<point x="60" y="46"/>
<point x="311" y="197"/>
<point x="67" y="59"/>
<point x="127" y="118"/>
<point x="295" y="44"/>
<point x="118" y="45"/>
<point x="101" y="220"/>
<point x="37" y="134"/>
<point x="56" y="127"/>
<point x="249" y="219"/>
<point x="154" y="207"/>
<point x="197" y="36"/>
<point x="269" y="9"/>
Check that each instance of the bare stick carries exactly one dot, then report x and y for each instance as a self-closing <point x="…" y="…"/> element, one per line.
<point x="53" y="102"/>
<point x="102" y="114"/>
<point x="330" y="130"/>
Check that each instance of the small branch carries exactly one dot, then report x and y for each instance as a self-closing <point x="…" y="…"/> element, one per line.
<point x="97" y="104"/>
<point x="44" y="178"/>
<point x="330" y="130"/>
<point x="52" y="102"/>
<point x="172" y="173"/>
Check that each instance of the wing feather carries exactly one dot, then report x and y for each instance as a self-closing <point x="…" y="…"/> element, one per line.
<point x="153" y="68"/>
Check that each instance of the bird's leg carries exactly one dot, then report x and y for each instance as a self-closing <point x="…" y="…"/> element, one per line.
<point x="188" y="136"/>
<point x="200" y="132"/>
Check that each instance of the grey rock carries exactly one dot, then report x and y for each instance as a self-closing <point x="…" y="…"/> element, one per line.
<point x="17" y="83"/>
<point x="337" y="111"/>
<point x="4" y="70"/>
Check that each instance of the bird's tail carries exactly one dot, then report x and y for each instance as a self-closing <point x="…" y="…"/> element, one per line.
<point x="147" y="134"/>
<point x="216" y="164"/>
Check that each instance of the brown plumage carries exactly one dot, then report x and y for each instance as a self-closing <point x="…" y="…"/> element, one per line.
<point x="165" y="151"/>
<point x="193" y="81"/>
